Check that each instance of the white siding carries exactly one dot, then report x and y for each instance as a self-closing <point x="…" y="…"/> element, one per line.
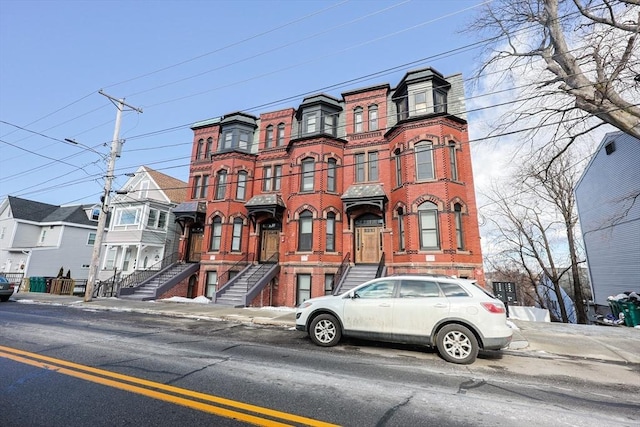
<point x="609" y="217"/>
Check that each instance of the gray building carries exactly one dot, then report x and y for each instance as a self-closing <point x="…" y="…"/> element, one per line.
<point x="608" y="200"/>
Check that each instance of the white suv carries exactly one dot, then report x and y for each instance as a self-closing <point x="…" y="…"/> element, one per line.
<point x="456" y="316"/>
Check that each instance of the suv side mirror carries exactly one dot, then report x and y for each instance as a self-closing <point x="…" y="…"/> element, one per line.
<point x="353" y="295"/>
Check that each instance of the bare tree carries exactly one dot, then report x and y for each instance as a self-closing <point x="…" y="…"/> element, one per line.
<point x="581" y="56"/>
<point x="555" y="185"/>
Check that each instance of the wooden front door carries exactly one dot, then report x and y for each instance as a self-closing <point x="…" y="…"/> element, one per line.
<point x="270" y="244"/>
<point x="368" y="245"/>
<point x="195" y="247"/>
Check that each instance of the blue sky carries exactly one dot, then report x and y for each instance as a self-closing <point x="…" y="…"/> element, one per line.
<point x="185" y="61"/>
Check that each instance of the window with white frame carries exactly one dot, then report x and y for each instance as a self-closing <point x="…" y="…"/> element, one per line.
<point x="241" y="189"/>
<point x="236" y="240"/>
<point x="157" y="219"/>
<point x="310" y="122"/>
<point x="305" y="232"/>
<point x="328" y="284"/>
<point x="308" y="166"/>
<point x="357" y="119"/>
<point x="457" y="212"/>
<point x="453" y="161"/>
<point x="268" y="143"/>
<point x="429" y="233"/>
<point x="280" y="136"/>
<point x="212" y="283"/>
<point x="95" y="214"/>
<point x="221" y="184"/>
<point x="366" y="166"/>
<point x="127" y="216"/>
<point x="420" y="102"/>
<point x="332" y="166"/>
<point x="271" y="178"/>
<point x="424" y="160"/>
<point x="398" y="164"/>
<point x="216" y="234"/>
<point x="200" y="186"/>
<point x="331" y="232"/>
<point x="373" y="117"/>
<point x="91" y="239"/>
<point x="303" y="288"/>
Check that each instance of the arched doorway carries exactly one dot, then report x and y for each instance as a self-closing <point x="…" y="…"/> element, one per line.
<point x="368" y="238"/>
<point x="269" y="239"/>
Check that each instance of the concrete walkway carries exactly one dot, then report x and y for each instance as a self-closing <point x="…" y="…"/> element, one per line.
<point x="617" y="344"/>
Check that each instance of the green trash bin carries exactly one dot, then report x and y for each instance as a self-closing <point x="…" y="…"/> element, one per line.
<point x="37" y="284"/>
<point x="631" y="313"/>
<point x="616" y="309"/>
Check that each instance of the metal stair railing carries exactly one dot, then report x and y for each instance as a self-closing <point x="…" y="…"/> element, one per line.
<point x="380" y="267"/>
<point x="253" y="278"/>
<point x="341" y="270"/>
<point x="223" y="278"/>
<point x="140" y="276"/>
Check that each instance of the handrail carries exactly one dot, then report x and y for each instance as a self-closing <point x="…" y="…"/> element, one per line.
<point x="338" y="276"/>
<point x="234" y="268"/>
<point x="264" y="267"/>
<point x="140" y="276"/>
<point x="380" y="266"/>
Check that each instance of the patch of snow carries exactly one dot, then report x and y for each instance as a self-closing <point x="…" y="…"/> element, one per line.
<point x="285" y="309"/>
<point x="512" y="325"/>
<point x="197" y="300"/>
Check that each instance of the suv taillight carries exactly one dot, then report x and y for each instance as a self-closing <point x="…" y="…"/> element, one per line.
<point x="492" y="307"/>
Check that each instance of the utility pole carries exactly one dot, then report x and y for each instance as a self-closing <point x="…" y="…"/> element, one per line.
<point x="116" y="146"/>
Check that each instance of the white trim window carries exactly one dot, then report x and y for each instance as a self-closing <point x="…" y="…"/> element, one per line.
<point x="91" y="238"/>
<point x="126" y="217"/>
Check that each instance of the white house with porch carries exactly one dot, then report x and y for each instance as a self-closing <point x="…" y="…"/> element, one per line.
<point x="142" y="231"/>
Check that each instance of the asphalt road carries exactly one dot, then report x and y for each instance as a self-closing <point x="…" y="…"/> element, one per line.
<point x="65" y="367"/>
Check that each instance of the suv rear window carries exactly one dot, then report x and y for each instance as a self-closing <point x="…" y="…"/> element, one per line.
<point x="452" y="290"/>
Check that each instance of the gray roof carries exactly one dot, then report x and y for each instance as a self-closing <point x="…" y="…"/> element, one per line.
<point x="265" y="200"/>
<point x="29" y="210"/>
<point x="364" y="191"/>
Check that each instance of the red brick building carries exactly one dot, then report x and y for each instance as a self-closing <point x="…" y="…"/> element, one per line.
<point x="382" y="176"/>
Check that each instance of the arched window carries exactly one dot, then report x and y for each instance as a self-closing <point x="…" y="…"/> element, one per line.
<point x="221" y="184"/>
<point x="331" y="232"/>
<point x="453" y="161"/>
<point x="398" y="162"/>
<point x="269" y="137"/>
<point x="280" y="137"/>
<point x="199" y="149"/>
<point x="401" y="244"/>
<point x="457" y="212"/>
<point x="236" y="240"/>
<point x="308" y="166"/>
<point x="216" y="233"/>
<point x="305" y="231"/>
<point x="429" y="233"/>
<point x="209" y="149"/>
<point x="357" y="119"/>
<point x="373" y="117"/>
<point x="331" y="175"/>
<point x="424" y="160"/>
<point x="241" y="189"/>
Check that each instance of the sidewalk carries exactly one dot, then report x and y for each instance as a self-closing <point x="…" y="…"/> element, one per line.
<point x="535" y="339"/>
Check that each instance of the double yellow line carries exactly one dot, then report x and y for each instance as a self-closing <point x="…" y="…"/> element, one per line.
<point x="216" y="405"/>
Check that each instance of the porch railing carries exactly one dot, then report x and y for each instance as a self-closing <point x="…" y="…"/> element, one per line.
<point x="223" y="278"/>
<point x="259" y="272"/>
<point x="341" y="270"/>
<point x="142" y="275"/>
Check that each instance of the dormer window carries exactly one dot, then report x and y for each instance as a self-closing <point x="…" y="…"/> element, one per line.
<point x="318" y="115"/>
<point x="439" y="101"/>
<point x="310" y="123"/>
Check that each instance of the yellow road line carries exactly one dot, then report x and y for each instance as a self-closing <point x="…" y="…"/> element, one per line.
<point x="40" y="361"/>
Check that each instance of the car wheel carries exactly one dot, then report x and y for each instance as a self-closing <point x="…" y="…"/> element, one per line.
<point x="325" y="330"/>
<point x="457" y="344"/>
